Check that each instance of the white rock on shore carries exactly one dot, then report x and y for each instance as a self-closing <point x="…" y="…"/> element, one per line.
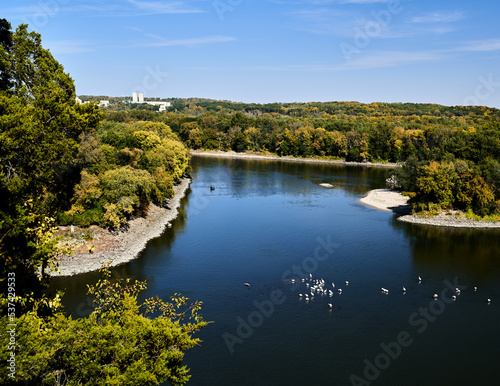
<point x="126" y="245"/>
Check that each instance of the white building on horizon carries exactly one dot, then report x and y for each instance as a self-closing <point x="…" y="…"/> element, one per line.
<point x="139" y="98"/>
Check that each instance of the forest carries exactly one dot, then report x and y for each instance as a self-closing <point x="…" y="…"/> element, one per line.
<point x="449" y="156"/>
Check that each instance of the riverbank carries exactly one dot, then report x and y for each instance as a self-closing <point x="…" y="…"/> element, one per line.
<point x="389" y="200"/>
<point x="125" y="245"/>
<point x="235" y="155"/>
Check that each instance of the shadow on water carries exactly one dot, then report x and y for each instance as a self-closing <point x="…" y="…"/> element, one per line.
<point x="470" y="251"/>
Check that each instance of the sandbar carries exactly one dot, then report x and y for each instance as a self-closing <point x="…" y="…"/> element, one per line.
<point x="388" y="200"/>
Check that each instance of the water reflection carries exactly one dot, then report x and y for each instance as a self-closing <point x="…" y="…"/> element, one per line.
<point x="474" y="252"/>
<point x="241" y="175"/>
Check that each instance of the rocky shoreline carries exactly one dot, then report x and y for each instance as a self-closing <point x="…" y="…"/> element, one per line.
<point x="235" y="155"/>
<point x="389" y="200"/>
<point x="452" y="219"/>
<point x="123" y="246"/>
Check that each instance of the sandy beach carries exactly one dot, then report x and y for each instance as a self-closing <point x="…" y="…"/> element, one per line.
<point x="389" y="200"/>
<point x="125" y="245"/>
<point x="235" y="155"/>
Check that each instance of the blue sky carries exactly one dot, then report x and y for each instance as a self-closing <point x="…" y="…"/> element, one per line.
<point x="445" y="52"/>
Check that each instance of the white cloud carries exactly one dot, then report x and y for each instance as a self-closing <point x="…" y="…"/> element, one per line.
<point x="381" y="59"/>
<point x="371" y="60"/>
<point x="439" y="17"/>
<point x="323" y="2"/>
<point x="292" y="68"/>
<point x="324" y="21"/>
<point x="163" y="7"/>
<point x="363" y="1"/>
<point x="99" y="8"/>
<point x="67" y="47"/>
<point x="190" y="42"/>
<point x="480" y="46"/>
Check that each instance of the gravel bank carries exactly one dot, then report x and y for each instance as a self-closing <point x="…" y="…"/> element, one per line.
<point x="125" y="245"/>
<point x="450" y="219"/>
<point x="234" y="155"/>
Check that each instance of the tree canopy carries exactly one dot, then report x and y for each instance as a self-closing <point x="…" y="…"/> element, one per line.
<point x="120" y="343"/>
<point x="40" y="126"/>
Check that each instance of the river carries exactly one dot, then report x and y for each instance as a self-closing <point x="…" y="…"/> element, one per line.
<point x="269" y="221"/>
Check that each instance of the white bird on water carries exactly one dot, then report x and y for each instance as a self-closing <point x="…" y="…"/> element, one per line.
<point x="475" y="288"/>
<point x="346" y="282"/>
<point x="340" y="291"/>
<point x="246" y="284"/>
<point x="435" y="296"/>
<point x="404" y="289"/>
<point x="330" y="306"/>
<point x="454" y="297"/>
<point x="489" y="301"/>
<point x="419" y="279"/>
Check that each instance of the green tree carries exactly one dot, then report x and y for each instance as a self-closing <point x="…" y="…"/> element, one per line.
<point x="472" y="192"/>
<point x="435" y="183"/>
<point x="6" y="44"/>
<point x="357" y="145"/>
<point x="120" y="343"/>
<point x="382" y="141"/>
<point x="40" y="128"/>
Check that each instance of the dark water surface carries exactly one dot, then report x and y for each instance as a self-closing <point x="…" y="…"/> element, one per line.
<point x="268" y="221"/>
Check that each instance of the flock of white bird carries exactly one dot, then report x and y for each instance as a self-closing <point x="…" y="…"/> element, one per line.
<point x="320" y="287"/>
<point x="317" y="287"/>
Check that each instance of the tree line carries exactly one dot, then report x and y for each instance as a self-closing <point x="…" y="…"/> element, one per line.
<point x="423" y="138"/>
